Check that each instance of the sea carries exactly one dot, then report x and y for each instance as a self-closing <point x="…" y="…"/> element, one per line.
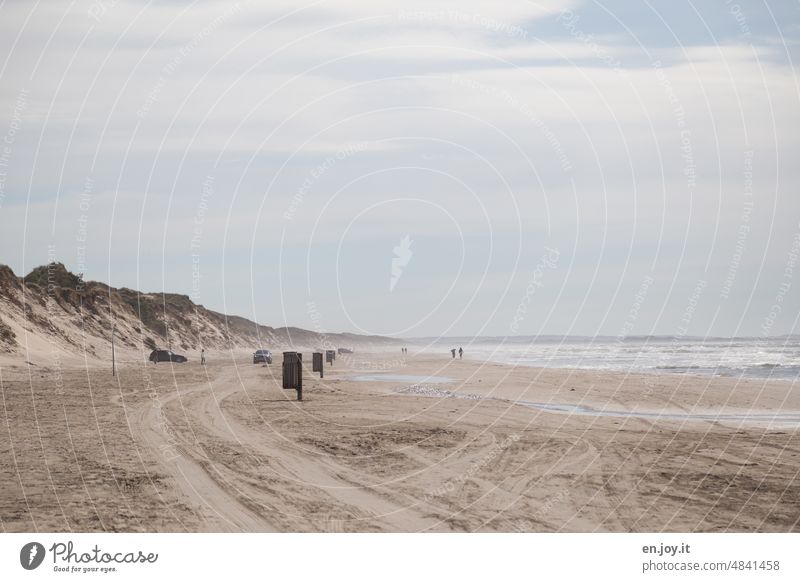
<point x="775" y="358"/>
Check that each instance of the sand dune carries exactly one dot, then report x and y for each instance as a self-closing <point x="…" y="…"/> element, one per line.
<point x="52" y="317"/>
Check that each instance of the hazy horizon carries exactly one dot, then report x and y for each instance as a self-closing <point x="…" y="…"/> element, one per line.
<point x="513" y="338"/>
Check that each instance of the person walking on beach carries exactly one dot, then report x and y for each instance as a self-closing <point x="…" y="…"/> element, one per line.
<point x="460" y="353"/>
<point x="203" y="357"/>
<point x="453" y="351"/>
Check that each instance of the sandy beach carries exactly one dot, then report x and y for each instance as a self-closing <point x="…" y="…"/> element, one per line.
<point x="497" y="448"/>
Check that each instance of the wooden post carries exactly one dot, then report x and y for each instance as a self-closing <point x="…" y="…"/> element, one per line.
<point x="293" y="372"/>
<point x="299" y="376"/>
<point x="113" y="351"/>
<point x="316" y="363"/>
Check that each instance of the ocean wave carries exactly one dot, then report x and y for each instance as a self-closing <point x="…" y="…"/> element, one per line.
<point x="765" y="359"/>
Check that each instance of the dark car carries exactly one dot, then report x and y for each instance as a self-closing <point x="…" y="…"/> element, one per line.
<point x="166" y="356"/>
<point x="262" y="357"/>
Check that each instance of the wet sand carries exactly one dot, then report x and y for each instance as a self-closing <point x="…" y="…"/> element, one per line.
<point x="224" y="448"/>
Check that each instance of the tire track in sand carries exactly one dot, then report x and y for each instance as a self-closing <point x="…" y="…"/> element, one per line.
<point x="306" y="468"/>
<point x="222" y="510"/>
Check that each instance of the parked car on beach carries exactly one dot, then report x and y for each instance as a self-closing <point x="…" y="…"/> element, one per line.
<point x="262" y="357"/>
<point x="166" y="356"/>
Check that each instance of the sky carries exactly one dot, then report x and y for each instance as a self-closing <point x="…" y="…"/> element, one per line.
<point x="418" y="168"/>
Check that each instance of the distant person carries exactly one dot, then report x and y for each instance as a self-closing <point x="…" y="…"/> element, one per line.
<point x="203" y="357"/>
<point x="453" y="351"/>
<point x="460" y="353"/>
